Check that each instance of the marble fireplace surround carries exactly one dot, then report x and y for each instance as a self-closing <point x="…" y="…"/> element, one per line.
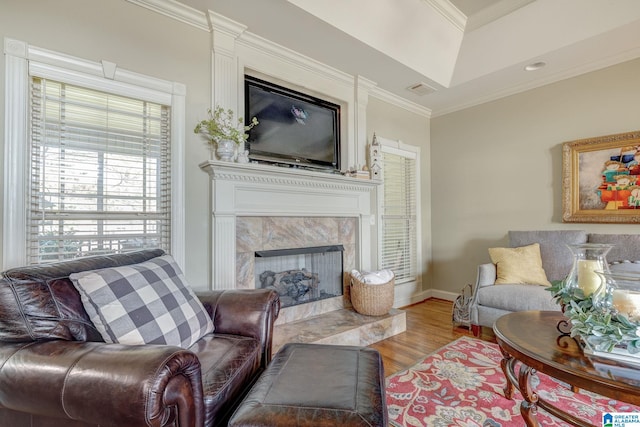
<point x="264" y="207"/>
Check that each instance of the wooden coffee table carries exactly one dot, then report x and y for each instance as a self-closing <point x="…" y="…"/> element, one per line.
<point x="531" y="338"/>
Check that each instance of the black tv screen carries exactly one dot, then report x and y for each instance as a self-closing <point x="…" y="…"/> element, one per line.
<point x="294" y="128"/>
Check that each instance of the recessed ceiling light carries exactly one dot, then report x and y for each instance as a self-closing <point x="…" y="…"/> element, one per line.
<point x="535" y="66"/>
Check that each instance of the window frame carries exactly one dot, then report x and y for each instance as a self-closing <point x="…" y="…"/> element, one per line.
<point x="22" y="61"/>
<point x="399" y="148"/>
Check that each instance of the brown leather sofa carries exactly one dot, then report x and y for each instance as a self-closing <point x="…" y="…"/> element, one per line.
<point x="55" y="369"/>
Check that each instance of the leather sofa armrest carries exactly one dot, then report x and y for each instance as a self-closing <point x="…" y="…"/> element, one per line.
<point x="102" y="384"/>
<point x="245" y="312"/>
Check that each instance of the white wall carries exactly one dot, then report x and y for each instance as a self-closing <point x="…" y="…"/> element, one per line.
<point x="498" y="166"/>
<point x="139" y="40"/>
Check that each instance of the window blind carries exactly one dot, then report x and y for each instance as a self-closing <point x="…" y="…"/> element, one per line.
<point x="399" y="217"/>
<point x="100" y="173"/>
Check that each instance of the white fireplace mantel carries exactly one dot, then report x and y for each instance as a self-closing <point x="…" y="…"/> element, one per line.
<point x="264" y="190"/>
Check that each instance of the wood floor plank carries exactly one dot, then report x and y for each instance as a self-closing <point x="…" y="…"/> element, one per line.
<point x="429" y="327"/>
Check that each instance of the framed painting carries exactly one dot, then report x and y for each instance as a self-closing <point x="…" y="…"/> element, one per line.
<point x="601" y="179"/>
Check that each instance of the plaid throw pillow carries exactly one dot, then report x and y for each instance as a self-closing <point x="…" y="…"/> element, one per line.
<point x="145" y="303"/>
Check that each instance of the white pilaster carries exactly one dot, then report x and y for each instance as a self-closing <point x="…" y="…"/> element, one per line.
<point x="224" y="251"/>
<point x="363" y="86"/>
<point x="224" y="62"/>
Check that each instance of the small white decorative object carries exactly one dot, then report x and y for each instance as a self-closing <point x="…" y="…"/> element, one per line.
<point x="243" y="157"/>
<point x="375" y="167"/>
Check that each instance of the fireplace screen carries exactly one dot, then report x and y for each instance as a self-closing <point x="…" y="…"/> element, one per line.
<point x="301" y="275"/>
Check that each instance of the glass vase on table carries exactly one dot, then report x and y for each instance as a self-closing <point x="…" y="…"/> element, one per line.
<point x="583" y="278"/>
<point x="588" y="259"/>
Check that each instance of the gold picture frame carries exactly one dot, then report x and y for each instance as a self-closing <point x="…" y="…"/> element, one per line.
<point x="601" y="179"/>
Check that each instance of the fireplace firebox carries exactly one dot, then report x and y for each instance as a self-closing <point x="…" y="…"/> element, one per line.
<point x="301" y="275"/>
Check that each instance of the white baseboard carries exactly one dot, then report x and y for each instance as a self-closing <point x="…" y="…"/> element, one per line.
<point x="421" y="296"/>
<point x="445" y="295"/>
<point x="413" y="299"/>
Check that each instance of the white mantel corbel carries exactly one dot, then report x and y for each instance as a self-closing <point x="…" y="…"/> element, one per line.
<point x="271" y="191"/>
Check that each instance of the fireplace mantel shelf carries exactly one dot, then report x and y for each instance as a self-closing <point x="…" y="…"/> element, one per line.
<point x="251" y="172"/>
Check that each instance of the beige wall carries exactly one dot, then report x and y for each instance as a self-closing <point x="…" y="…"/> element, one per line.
<point x="149" y="43"/>
<point x="136" y="40"/>
<point x="497" y="167"/>
<point x="395" y="123"/>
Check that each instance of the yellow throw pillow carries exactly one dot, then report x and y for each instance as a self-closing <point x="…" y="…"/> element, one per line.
<point x="519" y="265"/>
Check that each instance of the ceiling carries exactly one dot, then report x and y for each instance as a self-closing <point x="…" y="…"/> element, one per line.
<point x="462" y="52"/>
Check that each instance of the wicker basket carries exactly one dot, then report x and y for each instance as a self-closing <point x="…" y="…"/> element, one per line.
<point x="372" y="300"/>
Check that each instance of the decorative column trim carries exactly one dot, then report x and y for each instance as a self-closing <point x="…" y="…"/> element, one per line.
<point x="363" y="86"/>
<point x="223" y="267"/>
<point x="224" y="61"/>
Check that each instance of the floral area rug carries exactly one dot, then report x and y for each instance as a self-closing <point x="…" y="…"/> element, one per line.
<point x="462" y="385"/>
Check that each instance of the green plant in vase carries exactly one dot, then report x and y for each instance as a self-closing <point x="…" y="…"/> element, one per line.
<point x="595" y="320"/>
<point x="220" y="129"/>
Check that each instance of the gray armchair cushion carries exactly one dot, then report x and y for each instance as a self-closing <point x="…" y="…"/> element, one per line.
<point x="625" y="246"/>
<point x="556" y="256"/>
<point x="517" y="297"/>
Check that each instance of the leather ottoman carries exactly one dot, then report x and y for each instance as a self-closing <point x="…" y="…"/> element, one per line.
<point x="317" y="385"/>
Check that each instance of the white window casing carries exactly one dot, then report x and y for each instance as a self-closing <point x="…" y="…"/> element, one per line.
<point x="26" y="64"/>
<point x="399" y="211"/>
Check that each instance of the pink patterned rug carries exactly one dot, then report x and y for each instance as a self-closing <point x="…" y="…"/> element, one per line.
<point x="462" y="384"/>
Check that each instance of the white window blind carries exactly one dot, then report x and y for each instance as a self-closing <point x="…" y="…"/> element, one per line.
<point x="100" y="173"/>
<point x="399" y="214"/>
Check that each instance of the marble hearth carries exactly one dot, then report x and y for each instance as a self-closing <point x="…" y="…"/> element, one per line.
<point x="261" y="208"/>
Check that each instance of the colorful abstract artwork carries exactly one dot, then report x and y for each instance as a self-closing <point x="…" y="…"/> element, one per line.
<point x="601" y="179"/>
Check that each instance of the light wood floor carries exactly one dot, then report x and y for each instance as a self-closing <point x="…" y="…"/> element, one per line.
<point x="429" y="327"/>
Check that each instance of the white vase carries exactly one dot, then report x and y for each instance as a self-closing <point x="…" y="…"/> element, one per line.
<point x="225" y="150"/>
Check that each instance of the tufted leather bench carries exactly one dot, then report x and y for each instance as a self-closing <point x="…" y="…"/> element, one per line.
<point x="317" y="385"/>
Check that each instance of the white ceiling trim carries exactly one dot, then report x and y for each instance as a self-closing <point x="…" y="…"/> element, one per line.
<point x="449" y="11"/>
<point x="393" y="99"/>
<point x="177" y="11"/>
<point x="193" y="17"/>
<point x="494" y="12"/>
<point x="553" y="78"/>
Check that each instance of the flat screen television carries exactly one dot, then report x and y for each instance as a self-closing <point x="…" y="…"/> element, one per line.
<point x="295" y="129"/>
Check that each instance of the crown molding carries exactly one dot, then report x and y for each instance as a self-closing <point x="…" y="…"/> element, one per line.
<point x="494" y="12"/>
<point x="176" y="10"/>
<point x="290" y="56"/>
<point x="226" y="25"/>
<point x="450" y="12"/>
<point x="553" y="78"/>
<point x="398" y="101"/>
